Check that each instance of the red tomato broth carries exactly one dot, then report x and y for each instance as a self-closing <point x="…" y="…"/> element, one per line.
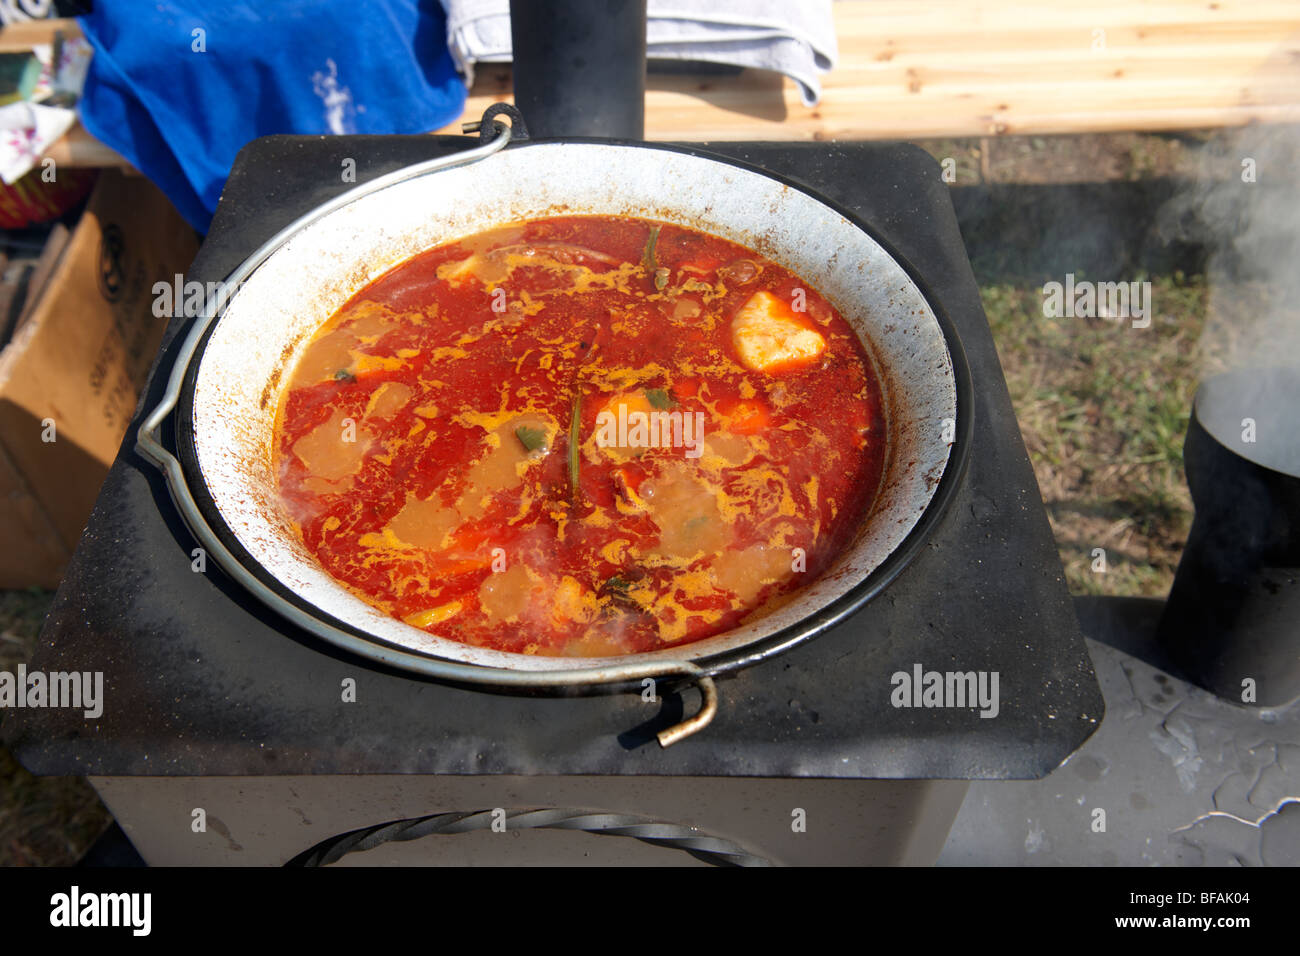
<point x="403" y="438"/>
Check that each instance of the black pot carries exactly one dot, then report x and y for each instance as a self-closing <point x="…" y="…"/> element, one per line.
<point x="1232" y="623"/>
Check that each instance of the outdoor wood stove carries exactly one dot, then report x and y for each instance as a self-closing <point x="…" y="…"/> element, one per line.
<point x="212" y="702"/>
<point x="826" y="754"/>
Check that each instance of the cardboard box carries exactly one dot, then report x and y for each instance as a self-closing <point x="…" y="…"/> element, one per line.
<point x="71" y="377"/>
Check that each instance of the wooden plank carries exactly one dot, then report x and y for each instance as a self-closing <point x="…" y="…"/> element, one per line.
<point x="1181" y="60"/>
<point x="990" y="108"/>
<point x="961" y="68"/>
<point x="78" y="149"/>
<point x="956" y="67"/>
<point x="863" y="18"/>
<point x="20" y="36"/>
<point x="1117" y="41"/>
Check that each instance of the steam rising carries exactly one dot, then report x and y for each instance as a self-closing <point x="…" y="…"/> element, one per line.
<point x="1244" y="208"/>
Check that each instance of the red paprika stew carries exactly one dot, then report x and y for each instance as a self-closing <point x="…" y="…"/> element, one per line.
<point x="582" y="436"/>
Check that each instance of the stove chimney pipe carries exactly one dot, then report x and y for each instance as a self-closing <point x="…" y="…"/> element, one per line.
<point x="579" y="67"/>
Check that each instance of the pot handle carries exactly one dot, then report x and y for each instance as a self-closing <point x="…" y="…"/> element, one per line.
<point x="708" y="709"/>
<point x="487" y="127"/>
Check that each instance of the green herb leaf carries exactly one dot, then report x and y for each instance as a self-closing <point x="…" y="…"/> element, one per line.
<point x="343" y="375"/>
<point x="648" y="255"/>
<point x="575" y="422"/>
<point x="531" y="438"/>
<point x="619" y="590"/>
<point x="659" y="398"/>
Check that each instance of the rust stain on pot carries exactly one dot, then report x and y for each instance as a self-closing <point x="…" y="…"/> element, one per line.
<point x="273" y="384"/>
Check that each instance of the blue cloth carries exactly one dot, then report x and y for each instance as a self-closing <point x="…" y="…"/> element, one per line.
<point x="178" y="86"/>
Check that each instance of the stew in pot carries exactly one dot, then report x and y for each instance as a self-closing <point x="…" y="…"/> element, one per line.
<point x="585" y="436"/>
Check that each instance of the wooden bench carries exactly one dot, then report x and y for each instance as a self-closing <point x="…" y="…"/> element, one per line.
<point x="914" y="69"/>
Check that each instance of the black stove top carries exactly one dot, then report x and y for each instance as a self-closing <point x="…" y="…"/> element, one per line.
<point x="200" y="679"/>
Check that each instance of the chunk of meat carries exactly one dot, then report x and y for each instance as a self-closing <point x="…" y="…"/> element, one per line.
<point x="424" y="524"/>
<point x="507" y="595"/>
<point x="769" y="337"/>
<point x="686" y="513"/>
<point x="500" y="467"/>
<point x="334" y="449"/>
<point x="732" y="448"/>
<point x="388" y="399"/>
<point x="368" y="319"/>
<point x="744" y="573"/>
<point x="325" y="358"/>
<point x="597" y="642"/>
<point x="685" y="308"/>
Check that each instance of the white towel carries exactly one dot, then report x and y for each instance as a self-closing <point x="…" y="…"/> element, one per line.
<point x="26" y="131"/>
<point x="794" y="38"/>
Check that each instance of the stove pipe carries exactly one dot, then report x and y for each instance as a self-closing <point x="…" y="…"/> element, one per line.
<point x="1233" y="615"/>
<point x="579" y="67"/>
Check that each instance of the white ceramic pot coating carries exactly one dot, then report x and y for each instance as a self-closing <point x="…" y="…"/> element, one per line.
<point x="271" y="319"/>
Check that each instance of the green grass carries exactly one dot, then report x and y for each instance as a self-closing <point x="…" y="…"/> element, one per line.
<point x="1103" y="409"/>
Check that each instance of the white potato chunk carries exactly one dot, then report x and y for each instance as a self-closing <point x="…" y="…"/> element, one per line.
<point x="768" y="337"/>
